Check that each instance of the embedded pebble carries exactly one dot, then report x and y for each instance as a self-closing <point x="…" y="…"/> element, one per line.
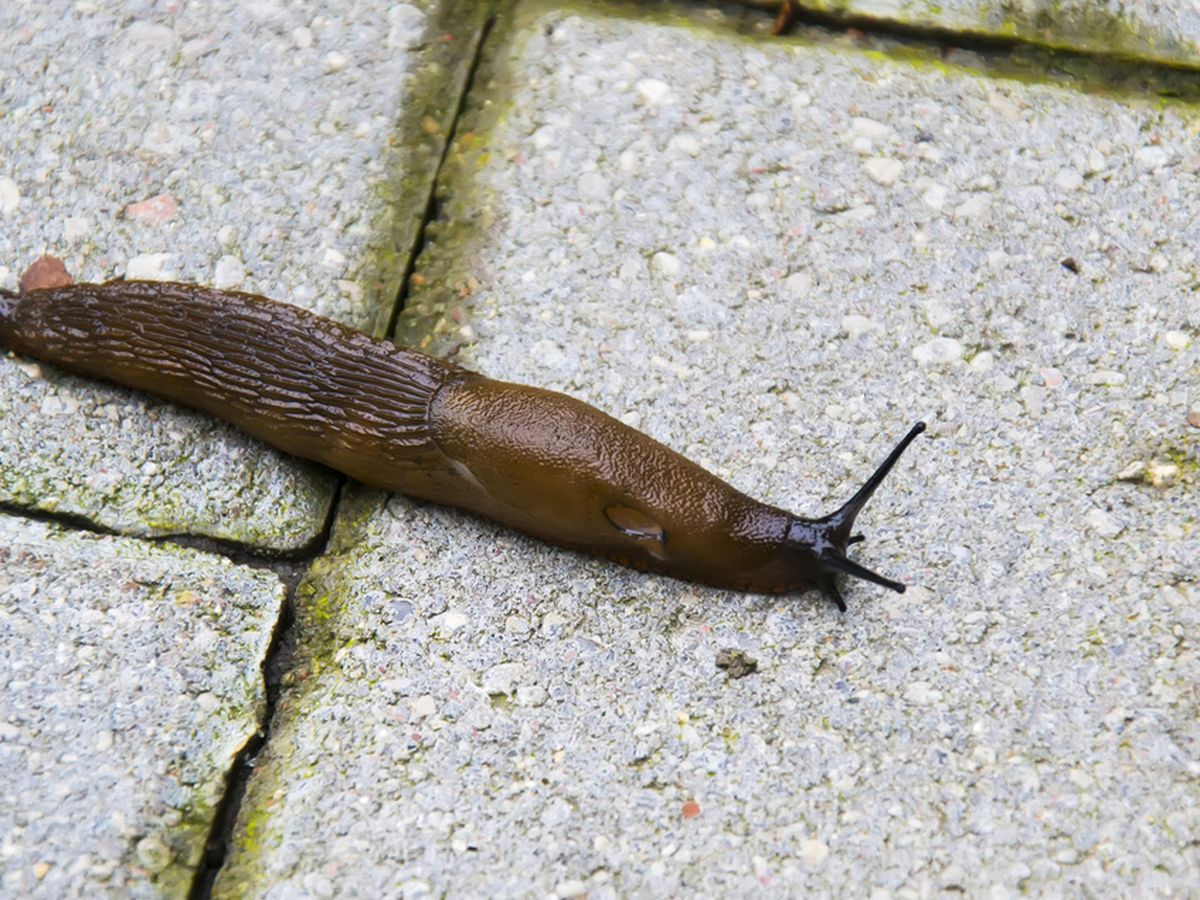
<point x="1193" y="416"/>
<point x="1034" y="399"/>
<point x="938" y="352"/>
<point x="153" y="211"/>
<point x="45" y="272"/>
<point x="159" y="137"/>
<point x="1105" y="378"/>
<point x="10" y="196"/>
<point x="570" y="888"/>
<point x="229" y="272"/>
<point x="976" y="206"/>
<point x="1176" y="340"/>
<point x="934" y="196"/>
<point x="1068" y="180"/>
<point x="450" y="621"/>
<point x="1161" y="474"/>
<point x="856" y="325"/>
<point x="1132" y="472"/>
<point x="937" y="313"/>
<point x="922" y="693"/>
<point x="58" y="405"/>
<point x="150" y="35"/>
<point x="651" y="91"/>
<point x="593" y="186"/>
<point x="813" y="851"/>
<point x="227" y="236"/>
<point x="1103" y="523"/>
<point x="424" y="706"/>
<point x="302" y="37"/>
<point x="75" y="227"/>
<point x="1149" y="158"/>
<point x="150" y="267"/>
<point x="983" y="361"/>
<point x="531" y="695"/>
<point x="335" y="61"/>
<point x="884" y="170"/>
<point x="503" y="678"/>
<point x="686" y="143"/>
<point x="799" y="284"/>
<point x="869" y="128"/>
<point x="153" y="854"/>
<point x="666" y="264"/>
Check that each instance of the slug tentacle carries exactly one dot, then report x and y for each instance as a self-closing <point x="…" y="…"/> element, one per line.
<point x="828" y="538"/>
<point x="841" y="522"/>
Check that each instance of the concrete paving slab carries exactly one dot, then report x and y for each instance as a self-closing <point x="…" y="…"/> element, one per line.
<point x="276" y="147"/>
<point x="130" y="677"/>
<point x="774" y="257"/>
<point x="1165" y="31"/>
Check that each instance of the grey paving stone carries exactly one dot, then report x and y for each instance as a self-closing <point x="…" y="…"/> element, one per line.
<point x="130" y="677"/>
<point x="1165" y="31"/>
<point x="774" y="258"/>
<point x="280" y="148"/>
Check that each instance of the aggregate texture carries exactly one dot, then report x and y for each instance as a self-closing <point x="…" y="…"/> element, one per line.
<point x="774" y="257"/>
<point x="286" y="149"/>
<point x="130" y="678"/>
<point x="1159" y="31"/>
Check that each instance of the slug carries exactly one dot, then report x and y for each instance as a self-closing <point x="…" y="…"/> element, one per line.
<point x="392" y="418"/>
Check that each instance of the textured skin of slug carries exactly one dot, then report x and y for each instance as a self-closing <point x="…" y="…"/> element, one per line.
<point x="396" y="419"/>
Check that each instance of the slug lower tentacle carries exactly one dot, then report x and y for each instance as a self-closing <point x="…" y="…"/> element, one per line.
<point x="396" y="419"/>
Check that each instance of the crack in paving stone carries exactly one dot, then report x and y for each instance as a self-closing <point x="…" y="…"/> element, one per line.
<point x="275" y="664"/>
<point x="291" y="570"/>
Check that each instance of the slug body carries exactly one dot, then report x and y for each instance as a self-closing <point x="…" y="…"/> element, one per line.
<point x="399" y="420"/>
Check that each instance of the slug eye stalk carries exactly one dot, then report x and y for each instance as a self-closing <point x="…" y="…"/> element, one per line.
<point x="829" y="537"/>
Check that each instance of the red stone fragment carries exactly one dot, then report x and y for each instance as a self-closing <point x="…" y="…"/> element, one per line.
<point x="154" y="211"/>
<point x="46" y="272"/>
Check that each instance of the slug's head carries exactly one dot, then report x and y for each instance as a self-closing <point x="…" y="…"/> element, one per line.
<point x="819" y="546"/>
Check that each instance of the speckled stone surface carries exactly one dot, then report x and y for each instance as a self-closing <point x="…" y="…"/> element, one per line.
<point x="775" y="258"/>
<point x="130" y="677"/>
<point x="1165" y="31"/>
<point x="280" y="148"/>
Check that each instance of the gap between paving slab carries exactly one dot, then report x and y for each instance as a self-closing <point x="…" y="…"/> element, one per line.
<point x="279" y="658"/>
<point x="1164" y="33"/>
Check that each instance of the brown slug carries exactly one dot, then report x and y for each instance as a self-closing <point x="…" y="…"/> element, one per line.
<point x="396" y="419"/>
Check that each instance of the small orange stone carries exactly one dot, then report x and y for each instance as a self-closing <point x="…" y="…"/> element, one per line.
<point x="161" y="208"/>
<point x="691" y="809"/>
<point x="46" y="272"/>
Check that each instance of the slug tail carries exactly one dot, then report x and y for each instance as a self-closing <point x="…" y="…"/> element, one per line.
<point x="8" y="307"/>
<point x="841" y="523"/>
